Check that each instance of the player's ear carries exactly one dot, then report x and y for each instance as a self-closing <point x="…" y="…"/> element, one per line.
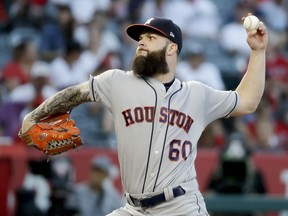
<point x="172" y="48"/>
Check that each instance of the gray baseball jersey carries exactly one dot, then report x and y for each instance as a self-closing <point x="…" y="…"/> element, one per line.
<point x="157" y="131"/>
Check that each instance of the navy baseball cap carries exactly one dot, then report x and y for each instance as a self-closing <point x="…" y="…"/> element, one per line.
<point x="165" y="27"/>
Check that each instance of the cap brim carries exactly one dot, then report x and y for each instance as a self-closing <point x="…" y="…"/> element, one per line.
<point x="135" y="30"/>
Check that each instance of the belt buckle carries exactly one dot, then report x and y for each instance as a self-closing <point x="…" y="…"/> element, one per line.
<point x="137" y="202"/>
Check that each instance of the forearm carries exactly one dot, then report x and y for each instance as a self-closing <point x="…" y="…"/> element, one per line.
<point x="252" y="85"/>
<point x="61" y="102"/>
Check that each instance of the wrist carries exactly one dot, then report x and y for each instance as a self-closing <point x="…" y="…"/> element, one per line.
<point x="259" y="52"/>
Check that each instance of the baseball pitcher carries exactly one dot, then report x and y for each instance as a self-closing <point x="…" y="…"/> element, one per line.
<point x="158" y="119"/>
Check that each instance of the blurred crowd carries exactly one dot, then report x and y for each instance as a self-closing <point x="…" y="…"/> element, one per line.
<point x="47" y="45"/>
<point x="50" y="189"/>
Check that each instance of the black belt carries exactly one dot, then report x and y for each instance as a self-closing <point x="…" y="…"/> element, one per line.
<point x="157" y="199"/>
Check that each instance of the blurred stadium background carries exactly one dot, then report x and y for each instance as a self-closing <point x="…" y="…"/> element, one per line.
<point x="47" y="45"/>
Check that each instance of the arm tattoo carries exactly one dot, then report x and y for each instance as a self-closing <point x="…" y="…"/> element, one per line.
<point x="61" y="102"/>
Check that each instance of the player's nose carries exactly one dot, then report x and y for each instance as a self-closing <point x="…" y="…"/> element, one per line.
<point x="141" y="43"/>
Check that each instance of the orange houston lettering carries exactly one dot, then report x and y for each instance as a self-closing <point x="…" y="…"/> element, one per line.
<point x="182" y="120"/>
<point x="128" y="117"/>
<point x="141" y="114"/>
<point x="149" y="113"/>
<point x="173" y="114"/>
<point x="188" y="124"/>
<point x="163" y="115"/>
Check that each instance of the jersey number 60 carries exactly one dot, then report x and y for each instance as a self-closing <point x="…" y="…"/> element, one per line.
<point x="176" y="148"/>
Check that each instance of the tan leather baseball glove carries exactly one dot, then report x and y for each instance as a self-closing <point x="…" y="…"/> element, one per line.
<point x="53" y="135"/>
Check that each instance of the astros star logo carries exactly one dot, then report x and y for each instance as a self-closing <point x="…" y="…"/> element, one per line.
<point x="149" y="21"/>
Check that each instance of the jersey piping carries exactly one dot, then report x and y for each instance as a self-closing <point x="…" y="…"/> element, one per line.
<point x="92" y="86"/>
<point x="236" y="101"/>
<point x="151" y="137"/>
<point x="166" y="132"/>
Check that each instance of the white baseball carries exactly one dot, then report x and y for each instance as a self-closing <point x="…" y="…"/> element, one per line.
<point x="251" y="22"/>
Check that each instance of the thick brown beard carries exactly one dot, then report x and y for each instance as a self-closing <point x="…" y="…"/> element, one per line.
<point x="152" y="64"/>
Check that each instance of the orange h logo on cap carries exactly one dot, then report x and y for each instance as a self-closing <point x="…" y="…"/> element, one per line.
<point x="148" y="21"/>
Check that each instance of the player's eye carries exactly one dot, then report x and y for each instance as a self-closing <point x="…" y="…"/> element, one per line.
<point x="148" y="36"/>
